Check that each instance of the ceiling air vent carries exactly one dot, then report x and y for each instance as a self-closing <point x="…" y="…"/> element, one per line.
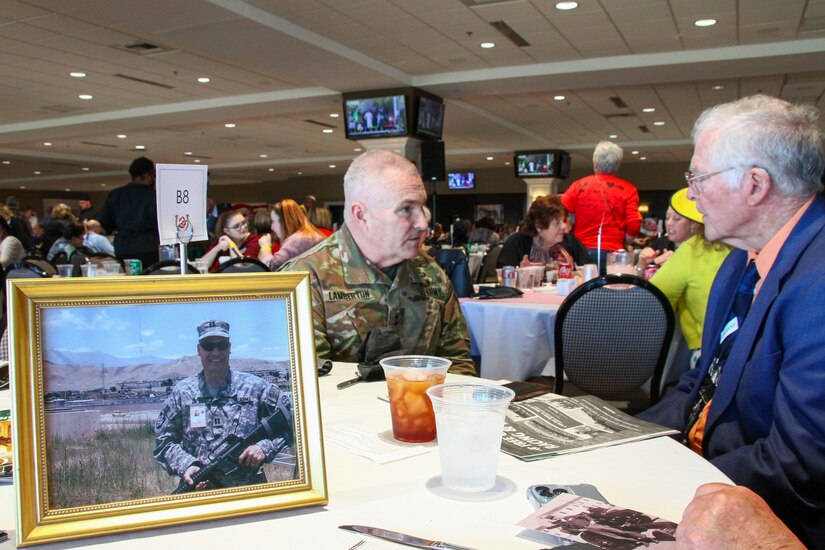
<point x="144" y="81"/>
<point x="98" y="144"/>
<point x="508" y="32"/>
<point x="324" y="124"/>
<point x="644" y="129"/>
<point x="617" y="101"/>
<point x="617" y="115"/>
<point x="142" y="48"/>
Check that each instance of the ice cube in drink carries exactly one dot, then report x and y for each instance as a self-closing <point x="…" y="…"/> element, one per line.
<point x="469" y="446"/>
<point x="410" y="407"/>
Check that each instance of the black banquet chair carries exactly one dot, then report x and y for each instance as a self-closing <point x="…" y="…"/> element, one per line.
<point x="487" y="271"/>
<point x="612" y="335"/>
<point x="24" y="269"/>
<point x="242" y="265"/>
<point x="455" y="264"/>
<point x="169" y="267"/>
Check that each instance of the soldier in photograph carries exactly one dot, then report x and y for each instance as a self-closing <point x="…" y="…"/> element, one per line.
<point x="206" y="413"/>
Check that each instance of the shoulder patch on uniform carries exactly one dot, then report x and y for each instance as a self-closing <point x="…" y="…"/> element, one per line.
<point x="435" y="292"/>
<point x="347" y="296"/>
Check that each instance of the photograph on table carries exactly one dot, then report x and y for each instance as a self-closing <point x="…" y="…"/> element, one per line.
<point x="148" y="401"/>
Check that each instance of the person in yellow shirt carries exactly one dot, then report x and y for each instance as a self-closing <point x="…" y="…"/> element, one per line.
<point x="685" y="278"/>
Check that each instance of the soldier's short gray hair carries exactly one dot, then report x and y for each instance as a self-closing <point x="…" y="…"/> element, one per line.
<point x="366" y="172"/>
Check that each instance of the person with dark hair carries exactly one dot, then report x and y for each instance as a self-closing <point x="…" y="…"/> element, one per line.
<point x="605" y="207"/>
<point x="234" y="240"/>
<point x="755" y="405"/>
<point x="60" y="220"/>
<point x="543" y="236"/>
<point x="484" y="232"/>
<point x="19" y="226"/>
<point x="131" y="210"/>
<point x="11" y="249"/>
<point x="86" y="211"/>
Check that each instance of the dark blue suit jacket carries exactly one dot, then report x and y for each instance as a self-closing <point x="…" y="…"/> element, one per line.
<point x="766" y="425"/>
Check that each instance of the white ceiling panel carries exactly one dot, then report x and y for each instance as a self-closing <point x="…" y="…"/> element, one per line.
<point x="274" y="64"/>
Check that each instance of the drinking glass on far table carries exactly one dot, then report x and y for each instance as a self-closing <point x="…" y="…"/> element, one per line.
<point x="408" y="377"/>
<point x="620" y="262"/>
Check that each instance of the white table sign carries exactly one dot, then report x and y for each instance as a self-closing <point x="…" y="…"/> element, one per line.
<point x="181" y="195"/>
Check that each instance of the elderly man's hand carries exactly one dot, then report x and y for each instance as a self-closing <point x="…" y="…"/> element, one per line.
<point x="252" y="457"/>
<point x="732" y="518"/>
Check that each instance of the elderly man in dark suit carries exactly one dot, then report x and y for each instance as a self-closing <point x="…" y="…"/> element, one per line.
<point x="755" y="405"/>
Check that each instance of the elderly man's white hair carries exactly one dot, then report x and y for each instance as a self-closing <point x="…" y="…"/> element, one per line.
<point x="365" y="174"/>
<point x="607" y="157"/>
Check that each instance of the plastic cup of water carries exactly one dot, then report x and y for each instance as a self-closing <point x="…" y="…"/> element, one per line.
<point x="408" y="377"/>
<point x="65" y="270"/>
<point x="470" y="421"/>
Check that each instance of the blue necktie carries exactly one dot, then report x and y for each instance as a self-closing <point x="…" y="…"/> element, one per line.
<point x="739" y="309"/>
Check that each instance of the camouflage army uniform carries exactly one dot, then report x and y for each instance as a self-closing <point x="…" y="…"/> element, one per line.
<point x="236" y="409"/>
<point x="350" y="295"/>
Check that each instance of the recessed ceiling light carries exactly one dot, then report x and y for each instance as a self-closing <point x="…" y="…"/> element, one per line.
<point x="197" y="161"/>
<point x="507" y="163"/>
<point x="566" y="5"/>
<point x="121" y="136"/>
<point x="332" y="166"/>
<point x="659" y="123"/>
<point x="488" y="45"/>
<point x="300" y="173"/>
<point x="271" y="169"/>
<point x="613" y="136"/>
<point x="22" y="187"/>
<point x="86" y="96"/>
<point x="77" y="74"/>
<point x="37" y="172"/>
<point x="68" y="189"/>
<point x="85" y="168"/>
<point x="188" y="153"/>
<point x="357" y="149"/>
<point x="203" y="79"/>
<point x="649" y="110"/>
<point x="6" y="162"/>
<point x="717" y="87"/>
<point x="334" y="115"/>
<point x="559" y="97"/>
<point x="489" y="158"/>
<point x="230" y="124"/>
<point x="47" y="143"/>
<point x="642" y="158"/>
<point x="327" y="130"/>
<point x="634" y="152"/>
<point x="140" y="147"/>
<point x="103" y="185"/>
<point x="705" y="22"/>
<point x="263" y="155"/>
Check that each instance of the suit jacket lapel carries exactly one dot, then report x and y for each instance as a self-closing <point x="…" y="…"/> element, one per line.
<point x="808" y="227"/>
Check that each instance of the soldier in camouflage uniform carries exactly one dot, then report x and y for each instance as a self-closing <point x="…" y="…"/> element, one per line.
<point x="203" y="409"/>
<point x="372" y="274"/>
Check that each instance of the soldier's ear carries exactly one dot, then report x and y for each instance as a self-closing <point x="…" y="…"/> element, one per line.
<point x="358" y="211"/>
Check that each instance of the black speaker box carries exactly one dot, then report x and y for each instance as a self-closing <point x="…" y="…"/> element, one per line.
<point x="432" y="161"/>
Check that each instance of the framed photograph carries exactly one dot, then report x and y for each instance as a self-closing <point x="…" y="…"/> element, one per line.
<point x="495" y="211"/>
<point x="140" y="402"/>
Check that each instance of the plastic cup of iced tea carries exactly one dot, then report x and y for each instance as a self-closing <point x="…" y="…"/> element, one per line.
<point x="408" y="377"/>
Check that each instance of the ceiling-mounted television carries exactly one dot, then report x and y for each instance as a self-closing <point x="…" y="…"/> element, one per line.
<point x="377" y="115"/>
<point x="394" y="112"/>
<point x="548" y="163"/>
<point x="430" y="117"/>
<point x="461" y="180"/>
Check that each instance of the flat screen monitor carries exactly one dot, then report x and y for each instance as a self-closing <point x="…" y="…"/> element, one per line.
<point x="376" y="117"/>
<point x="430" y="122"/>
<point x="542" y="164"/>
<point x="461" y="180"/>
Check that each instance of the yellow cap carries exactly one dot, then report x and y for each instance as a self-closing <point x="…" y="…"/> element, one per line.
<point x="685" y="207"/>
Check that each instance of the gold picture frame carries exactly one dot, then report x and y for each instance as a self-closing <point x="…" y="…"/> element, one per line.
<point x="67" y="421"/>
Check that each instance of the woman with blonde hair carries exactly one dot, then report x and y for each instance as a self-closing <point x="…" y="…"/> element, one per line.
<point x="293" y="229"/>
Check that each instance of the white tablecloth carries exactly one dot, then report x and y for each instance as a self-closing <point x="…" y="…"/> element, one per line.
<point x="657" y="476"/>
<point x="514" y="337"/>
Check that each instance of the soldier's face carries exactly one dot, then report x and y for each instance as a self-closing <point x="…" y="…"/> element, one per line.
<point x="213" y="358"/>
<point x="395" y="218"/>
